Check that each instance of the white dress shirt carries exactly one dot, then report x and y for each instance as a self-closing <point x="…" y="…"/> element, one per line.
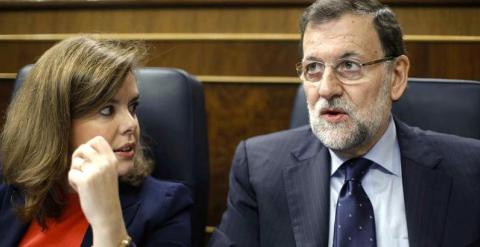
<point x="383" y="185"/>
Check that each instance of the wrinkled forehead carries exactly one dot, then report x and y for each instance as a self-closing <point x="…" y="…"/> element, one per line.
<point x="350" y="33"/>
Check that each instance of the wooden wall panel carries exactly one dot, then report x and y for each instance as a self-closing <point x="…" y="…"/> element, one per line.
<point x="6" y="88"/>
<point x="444" y="60"/>
<point x="456" y="60"/>
<point x="259" y="19"/>
<point x="439" y="20"/>
<point x="197" y="57"/>
<point x="235" y="112"/>
<point x="161" y="20"/>
<point x="17" y="54"/>
<point x="157" y="3"/>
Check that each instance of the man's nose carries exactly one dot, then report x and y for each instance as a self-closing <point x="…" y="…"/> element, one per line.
<point x="329" y="85"/>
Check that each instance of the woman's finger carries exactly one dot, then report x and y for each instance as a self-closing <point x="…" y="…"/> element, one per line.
<point x="85" y="151"/>
<point x="100" y="144"/>
<point x="75" y="177"/>
<point x="77" y="163"/>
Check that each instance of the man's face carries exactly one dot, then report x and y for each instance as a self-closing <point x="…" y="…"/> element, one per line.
<point x="347" y="118"/>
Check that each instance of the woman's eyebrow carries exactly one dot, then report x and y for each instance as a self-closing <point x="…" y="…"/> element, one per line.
<point x="136" y="98"/>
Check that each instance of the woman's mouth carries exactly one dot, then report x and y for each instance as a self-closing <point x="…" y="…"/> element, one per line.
<point x="126" y="151"/>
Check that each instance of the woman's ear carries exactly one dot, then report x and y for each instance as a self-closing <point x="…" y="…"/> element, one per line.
<point x="399" y="77"/>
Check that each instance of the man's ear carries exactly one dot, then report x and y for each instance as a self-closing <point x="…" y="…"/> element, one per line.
<point x="399" y="77"/>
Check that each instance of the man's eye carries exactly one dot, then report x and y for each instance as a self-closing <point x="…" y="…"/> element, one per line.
<point x="349" y="66"/>
<point x="106" y="111"/>
<point x="314" y="67"/>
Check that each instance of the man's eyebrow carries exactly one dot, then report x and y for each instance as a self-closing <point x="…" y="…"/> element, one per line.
<point x="344" y="55"/>
<point x="312" y="58"/>
<point x="349" y="54"/>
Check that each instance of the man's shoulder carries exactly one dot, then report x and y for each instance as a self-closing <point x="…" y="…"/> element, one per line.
<point x="277" y="149"/>
<point x="455" y="148"/>
<point x="291" y="137"/>
<point x="456" y="152"/>
<point x="444" y="140"/>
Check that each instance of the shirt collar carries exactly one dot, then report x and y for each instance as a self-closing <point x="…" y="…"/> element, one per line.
<point x="383" y="153"/>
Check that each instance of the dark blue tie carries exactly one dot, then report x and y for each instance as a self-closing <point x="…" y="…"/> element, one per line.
<point x="354" y="219"/>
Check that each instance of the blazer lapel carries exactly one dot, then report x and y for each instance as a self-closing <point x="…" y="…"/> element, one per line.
<point x="426" y="191"/>
<point x="307" y="187"/>
<point x="129" y="204"/>
<point x="129" y="201"/>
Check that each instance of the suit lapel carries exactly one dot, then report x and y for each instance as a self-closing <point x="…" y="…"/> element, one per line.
<point x="307" y="187"/>
<point x="426" y="191"/>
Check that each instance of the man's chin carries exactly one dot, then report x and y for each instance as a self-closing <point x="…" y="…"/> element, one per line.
<point x="341" y="125"/>
<point x="336" y="144"/>
<point x="337" y="137"/>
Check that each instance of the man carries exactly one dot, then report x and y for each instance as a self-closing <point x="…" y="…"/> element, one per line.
<point x="357" y="176"/>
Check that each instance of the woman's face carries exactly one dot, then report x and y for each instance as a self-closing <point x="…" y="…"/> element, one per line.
<point x="116" y="121"/>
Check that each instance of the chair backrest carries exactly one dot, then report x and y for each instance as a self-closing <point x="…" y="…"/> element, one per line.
<point x="448" y="106"/>
<point x="173" y="121"/>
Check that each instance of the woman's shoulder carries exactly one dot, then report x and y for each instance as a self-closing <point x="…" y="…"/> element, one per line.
<point x="162" y="215"/>
<point x="168" y="188"/>
<point x="170" y="196"/>
<point x="6" y="192"/>
<point x="154" y="183"/>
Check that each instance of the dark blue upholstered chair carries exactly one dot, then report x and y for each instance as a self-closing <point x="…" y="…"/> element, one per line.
<point x="173" y="122"/>
<point x="448" y="106"/>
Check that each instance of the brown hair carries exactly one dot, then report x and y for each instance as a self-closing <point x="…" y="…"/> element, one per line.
<point x="384" y="20"/>
<point x="70" y="80"/>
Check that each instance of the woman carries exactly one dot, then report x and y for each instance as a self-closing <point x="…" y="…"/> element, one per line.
<point x="73" y="166"/>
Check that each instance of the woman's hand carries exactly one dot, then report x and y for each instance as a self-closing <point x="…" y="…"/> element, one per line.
<point x="93" y="175"/>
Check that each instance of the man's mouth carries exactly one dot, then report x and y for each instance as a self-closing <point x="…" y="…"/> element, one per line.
<point x="333" y="115"/>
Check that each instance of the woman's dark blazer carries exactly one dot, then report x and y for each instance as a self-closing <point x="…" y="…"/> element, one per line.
<point x="156" y="213"/>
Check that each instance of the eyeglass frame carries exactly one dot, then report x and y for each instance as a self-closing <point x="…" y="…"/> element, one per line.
<point x="300" y="67"/>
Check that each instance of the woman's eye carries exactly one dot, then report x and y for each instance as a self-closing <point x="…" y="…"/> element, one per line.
<point x="106" y="111"/>
<point x="133" y="108"/>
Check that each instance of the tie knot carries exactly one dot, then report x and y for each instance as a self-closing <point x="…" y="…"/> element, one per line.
<point x="356" y="168"/>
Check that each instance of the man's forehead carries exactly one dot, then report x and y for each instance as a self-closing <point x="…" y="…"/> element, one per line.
<point x="349" y="19"/>
<point x="349" y="33"/>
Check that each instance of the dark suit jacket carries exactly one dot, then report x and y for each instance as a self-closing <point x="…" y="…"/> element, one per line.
<point x="155" y="214"/>
<point x="280" y="186"/>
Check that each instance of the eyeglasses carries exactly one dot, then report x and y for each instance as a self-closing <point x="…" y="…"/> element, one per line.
<point x="347" y="71"/>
